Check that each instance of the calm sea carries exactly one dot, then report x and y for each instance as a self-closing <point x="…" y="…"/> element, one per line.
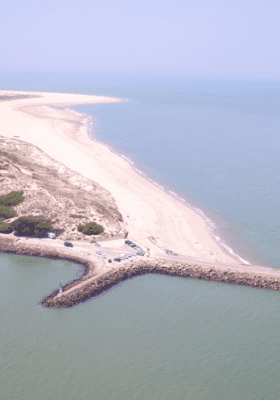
<point x="215" y="144"/>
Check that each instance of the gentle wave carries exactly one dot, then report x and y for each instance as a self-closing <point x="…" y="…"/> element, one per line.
<point x="158" y="185"/>
<point x="229" y="249"/>
<point x="140" y="172"/>
<point x="127" y="159"/>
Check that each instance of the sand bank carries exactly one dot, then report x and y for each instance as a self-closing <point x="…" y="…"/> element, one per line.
<point x="147" y="210"/>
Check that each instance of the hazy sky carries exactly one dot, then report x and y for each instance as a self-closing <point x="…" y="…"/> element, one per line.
<point x="211" y="38"/>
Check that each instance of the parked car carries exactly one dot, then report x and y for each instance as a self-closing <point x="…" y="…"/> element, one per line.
<point x="117" y="259"/>
<point x="68" y="244"/>
<point x="104" y="256"/>
<point x="129" y="242"/>
<point x="109" y="260"/>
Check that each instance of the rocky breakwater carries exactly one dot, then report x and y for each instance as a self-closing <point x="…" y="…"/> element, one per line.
<point x="52" y="250"/>
<point x="253" y="276"/>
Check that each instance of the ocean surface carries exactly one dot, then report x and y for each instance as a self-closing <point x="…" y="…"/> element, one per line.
<point x="214" y="144"/>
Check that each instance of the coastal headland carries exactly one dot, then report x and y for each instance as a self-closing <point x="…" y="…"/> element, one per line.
<point x="64" y="175"/>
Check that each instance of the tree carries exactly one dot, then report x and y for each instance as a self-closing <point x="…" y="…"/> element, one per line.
<point x="5" y="228"/>
<point x="42" y="228"/>
<point x="31" y="226"/>
<point x="90" y="229"/>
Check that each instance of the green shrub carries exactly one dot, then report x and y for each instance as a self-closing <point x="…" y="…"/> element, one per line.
<point x="6" y="212"/>
<point x="31" y="226"/>
<point x="90" y="229"/>
<point x="12" y="199"/>
<point x="5" y="228"/>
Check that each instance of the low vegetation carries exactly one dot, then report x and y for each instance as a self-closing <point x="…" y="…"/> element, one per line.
<point x="6" y="212"/>
<point x="90" y="229"/>
<point x="12" y="199"/>
<point x="8" y="201"/>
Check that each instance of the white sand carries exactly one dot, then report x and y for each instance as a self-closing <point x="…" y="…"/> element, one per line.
<point x="151" y="211"/>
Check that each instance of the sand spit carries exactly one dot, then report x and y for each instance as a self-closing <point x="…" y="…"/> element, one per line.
<point x="99" y="276"/>
<point x="147" y="210"/>
<point x="147" y="214"/>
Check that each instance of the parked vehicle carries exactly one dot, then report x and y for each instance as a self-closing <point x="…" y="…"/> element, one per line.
<point x="68" y="244"/>
<point x="104" y="256"/>
<point x="117" y="259"/>
<point x="109" y="260"/>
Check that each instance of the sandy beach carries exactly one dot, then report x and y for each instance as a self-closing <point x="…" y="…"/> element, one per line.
<point x="148" y="211"/>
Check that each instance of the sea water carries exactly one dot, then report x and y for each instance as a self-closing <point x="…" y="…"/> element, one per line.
<point x="215" y="145"/>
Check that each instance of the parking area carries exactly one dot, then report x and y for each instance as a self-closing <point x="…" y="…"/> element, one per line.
<point x="114" y="250"/>
<point x="126" y="250"/>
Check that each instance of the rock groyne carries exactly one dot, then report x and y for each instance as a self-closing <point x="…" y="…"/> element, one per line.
<point x="140" y="267"/>
<point x="99" y="277"/>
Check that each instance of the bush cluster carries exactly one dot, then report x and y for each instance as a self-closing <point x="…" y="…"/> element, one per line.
<point x="31" y="226"/>
<point x="90" y="229"/>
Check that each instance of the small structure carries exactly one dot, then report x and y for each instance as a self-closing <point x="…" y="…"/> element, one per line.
<point x="60" y="290"/>
<point x="51" y="235"/>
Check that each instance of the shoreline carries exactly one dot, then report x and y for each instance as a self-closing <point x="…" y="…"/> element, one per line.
<point x="153" y="217"/>
<point x="212" y="227"/>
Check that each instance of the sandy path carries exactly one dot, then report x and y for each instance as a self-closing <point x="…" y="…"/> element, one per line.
<point x="151" y="211"/>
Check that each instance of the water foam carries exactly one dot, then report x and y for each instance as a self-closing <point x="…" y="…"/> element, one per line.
<point x="127" y="159"/>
